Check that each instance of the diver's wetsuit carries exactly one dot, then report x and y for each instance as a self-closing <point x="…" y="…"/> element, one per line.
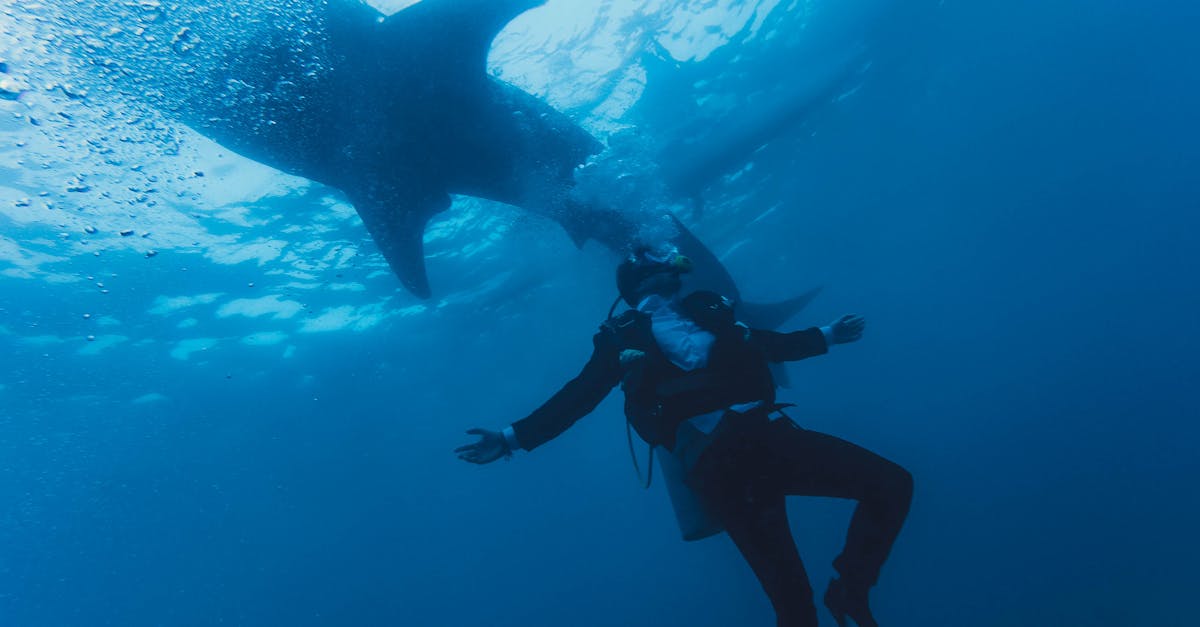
<point x="752" y="463"/>
<point x="745" y="475"/>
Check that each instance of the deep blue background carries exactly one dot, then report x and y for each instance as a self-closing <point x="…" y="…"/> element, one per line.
<point x="1011" y="201"/>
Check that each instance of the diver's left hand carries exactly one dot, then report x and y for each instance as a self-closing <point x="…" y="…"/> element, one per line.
<point x="848" y="328"/>
<point x="490" y="447"/>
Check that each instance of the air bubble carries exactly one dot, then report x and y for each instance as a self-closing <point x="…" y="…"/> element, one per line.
<point x="72" y="92"/>
<point x="150" y="11"/>
<point x="184" y="41"/>
<point x="10" y="89"/>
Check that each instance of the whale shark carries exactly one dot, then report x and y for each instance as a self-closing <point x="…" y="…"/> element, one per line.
<point x="398" y="112"/>
<point x="711" y="115"/>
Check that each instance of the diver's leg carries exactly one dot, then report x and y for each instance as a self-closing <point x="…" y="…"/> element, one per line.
<point x="754" y="516"/>
<point x="810" y="463"/>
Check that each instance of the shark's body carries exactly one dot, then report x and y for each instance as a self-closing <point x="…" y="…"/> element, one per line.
<point x="711" y="116"/>
<point x="398" y="112"/>
<point x="693" y="160"/>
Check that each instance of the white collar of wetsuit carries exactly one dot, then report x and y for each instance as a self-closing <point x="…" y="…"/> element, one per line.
<point x="678" y="337"/>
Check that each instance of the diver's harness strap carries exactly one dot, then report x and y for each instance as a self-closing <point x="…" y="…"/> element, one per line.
<point x="687" y="383"/>
<point x="775" y="408"/>
<point x="677" y="387"/>
<point x="633" y="455"/>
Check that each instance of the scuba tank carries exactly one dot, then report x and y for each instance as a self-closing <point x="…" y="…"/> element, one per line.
<point x="713" y="313"/>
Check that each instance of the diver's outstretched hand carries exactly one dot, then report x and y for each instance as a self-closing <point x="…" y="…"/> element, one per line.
<point x="848" y="328"/>
<point x="490" y="447"/>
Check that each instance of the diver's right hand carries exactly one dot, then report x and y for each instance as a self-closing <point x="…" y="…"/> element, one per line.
<point x="848" y="328"/>
<point x="490" y="447"/>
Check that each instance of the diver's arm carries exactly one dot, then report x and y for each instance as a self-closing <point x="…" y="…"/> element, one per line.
<point x="790" y="346"/>
<point x="848" y="328"/>
<point x="809" y="342"/>
<point x="574" y="401"/>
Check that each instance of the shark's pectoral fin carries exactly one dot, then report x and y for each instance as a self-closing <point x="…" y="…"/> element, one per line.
<point x="576" y="229"/>
<point x="578" y="237"/>
<point x="397" y="225"/>
<point x="584" y="222"/>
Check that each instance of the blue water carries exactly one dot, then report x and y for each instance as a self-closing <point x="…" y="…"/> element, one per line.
<point x="1008" y="194"/>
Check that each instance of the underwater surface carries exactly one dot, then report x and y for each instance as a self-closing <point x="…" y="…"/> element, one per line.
<point x="218" y="406"/>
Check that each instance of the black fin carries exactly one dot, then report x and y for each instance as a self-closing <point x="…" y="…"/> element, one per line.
<point x="584" y="222"/>
<point x="398" y="229"/>
<point x="708" y="272"/>
<point x="470" y="25"/>
<point x="698" y="206"/>
<point x="350" y="12"/>
<point x="575" y="232"/>
<point x="775" y="315"/>
<point x="349" y="24"/>
<point x="780" y="374"/>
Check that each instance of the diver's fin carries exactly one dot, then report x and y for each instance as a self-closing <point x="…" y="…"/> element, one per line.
<point x="774" y="315"/>
<point x="398" y="229"/>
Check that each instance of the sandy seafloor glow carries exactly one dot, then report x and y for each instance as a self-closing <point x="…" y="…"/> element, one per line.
<point x="234" y="414"/>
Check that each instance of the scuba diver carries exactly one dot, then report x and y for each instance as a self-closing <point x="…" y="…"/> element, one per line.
<point x="699" y="389"/>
